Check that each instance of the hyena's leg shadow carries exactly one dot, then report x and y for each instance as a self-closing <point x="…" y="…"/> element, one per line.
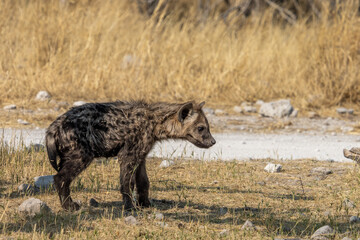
<point x="127" y="181"/>
<point x="71" y="167"/>
<point x="142" y="185"/>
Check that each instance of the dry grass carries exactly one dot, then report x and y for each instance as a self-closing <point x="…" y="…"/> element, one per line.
<point x="199" y="199"/>
<point x="77" y="50"/>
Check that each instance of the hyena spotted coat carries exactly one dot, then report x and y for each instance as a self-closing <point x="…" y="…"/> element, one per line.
<point x="127" y="130"/>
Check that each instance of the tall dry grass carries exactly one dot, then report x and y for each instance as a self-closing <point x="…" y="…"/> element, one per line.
<point x="103" y="50"/>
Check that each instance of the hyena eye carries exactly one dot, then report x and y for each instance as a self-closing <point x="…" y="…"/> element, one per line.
<point x="200" y="129"/>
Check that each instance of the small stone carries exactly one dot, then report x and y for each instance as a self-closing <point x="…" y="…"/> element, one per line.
<point x="10" y="107"/>
<point x="354" y="219"/>
<point x="323" y="232"/>
<point x="346" y="129"/>
<point x="209" y="111"/>
<point x="321" y="170"/>
<point x="280" y="108"/>
<point x="93" y="202"/>
<point x="238" y="109"/>
<point x="78" y="103"/>
<point x="223" y="211"/>
<point x="23" y="122"/>
<point x="162" y="224"/>
<point x="313" y="115"/>
<point x="294" y="113"/>
<point x="42" y="96"/>
<point x="219" y="112"/>
<point x="273" y="168"/>
<point x="259" y="102"/>
<point x="224" y="233"/>
<point x="44" y="182"/>
<point x="35" y="147"/>
<point x="346" y="238"/>
<point x="34" y="206"/>
<point x="248" y="225"/>
<point x="166" y="163"/>
<point x="327" y="213"/>
<point x="159" y="216"/>
<point x="261" y="183"/>
<point x="250" y="109"/>
<point x="343" y="110"/>
<point x="130" y="220"/>
<point x="215" y="182"/>
<point x="26" y="188"/>
<point x="348" y="204"/>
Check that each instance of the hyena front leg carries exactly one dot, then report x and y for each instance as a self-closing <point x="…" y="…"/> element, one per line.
<point x="127" y="179"/>
<point x="142" y="185"/>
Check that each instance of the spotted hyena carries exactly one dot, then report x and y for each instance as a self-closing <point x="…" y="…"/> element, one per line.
<point x="127" y="130"/>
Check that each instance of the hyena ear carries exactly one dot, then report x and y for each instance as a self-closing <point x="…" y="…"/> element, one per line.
<point x="184" y="111"/>
<point x="201" y="104"/>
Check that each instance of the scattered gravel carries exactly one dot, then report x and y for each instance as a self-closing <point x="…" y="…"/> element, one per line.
<point x="34" y="206"/>
<point x="273" y="168"/>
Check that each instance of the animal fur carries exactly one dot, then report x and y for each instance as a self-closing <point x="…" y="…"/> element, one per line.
<point x="127" y="130"/>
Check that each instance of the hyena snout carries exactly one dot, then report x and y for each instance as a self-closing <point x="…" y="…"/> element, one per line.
<point x="201" y="140"/>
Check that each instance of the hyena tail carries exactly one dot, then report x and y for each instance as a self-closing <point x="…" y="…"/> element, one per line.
<point x="51" y="150"/>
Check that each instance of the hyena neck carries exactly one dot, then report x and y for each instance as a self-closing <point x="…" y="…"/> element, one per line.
<point x="167" y="125"/>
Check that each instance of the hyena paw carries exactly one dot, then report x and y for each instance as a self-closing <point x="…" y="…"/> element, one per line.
<point x="144" y="203"/>
<point x="71" y="206"/>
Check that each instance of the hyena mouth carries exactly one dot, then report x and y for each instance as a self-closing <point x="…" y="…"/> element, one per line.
<point x="197" y="142"/>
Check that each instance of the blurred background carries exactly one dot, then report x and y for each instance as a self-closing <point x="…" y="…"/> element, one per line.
<point x="221" y="51"/>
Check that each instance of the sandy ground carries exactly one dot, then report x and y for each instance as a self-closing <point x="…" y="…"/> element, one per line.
<point x="254" y="138"/>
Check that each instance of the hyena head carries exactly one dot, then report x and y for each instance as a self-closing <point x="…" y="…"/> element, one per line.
<point x="194" y="125"/>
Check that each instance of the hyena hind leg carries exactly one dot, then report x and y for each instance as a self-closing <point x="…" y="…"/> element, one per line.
<point x="62" y="180"/>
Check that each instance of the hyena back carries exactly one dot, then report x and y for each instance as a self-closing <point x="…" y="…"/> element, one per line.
<point x="127" y="130"/>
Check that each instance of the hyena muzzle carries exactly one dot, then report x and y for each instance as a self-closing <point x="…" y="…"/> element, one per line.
<point x="127" y="130"/>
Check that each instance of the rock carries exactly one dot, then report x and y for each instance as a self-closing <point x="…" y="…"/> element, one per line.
<point x="327" y="213"/>
<point x="44" y="182"/>
<point x="35" y="147"/>
<point x="209" y="111"/>
<point x="280" y="108"/>
<point x="261" y="183"/>
<point x="321" y="170"/>
<point x="23" y="122"/>
<point x="273" y="168"/>
<point x="259" y="102"/>
<point x="323" y="233"/>
<point x="10" y="107"/>
<point x="223" y="211"/>
<point x="348" y="204"/>
<point x="159" y="216"/>
<point x="215" y="182"/>
<point x="313" y="115"/>
<point x="294" y="113"/>
<point x="42" y="96"/>
<point x="238" y="109"/>
<point x="34" y="206"/>
<point x="79" y="103"/>
<point x="346" y="238"/>
<point x="26" y="188"/>
<point x="224" y="233"/>
<point x="248" y="225"/>
<point x="343" y="110"/>
<point x="354" y="219"/>
<point x="219" y="112"/>
<point x="130" y="220"/>
<point x="166" y="163"/>
<point x="93" y="202"/>
<point x="162" y="224"/>
<point x="250" y="109"/>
